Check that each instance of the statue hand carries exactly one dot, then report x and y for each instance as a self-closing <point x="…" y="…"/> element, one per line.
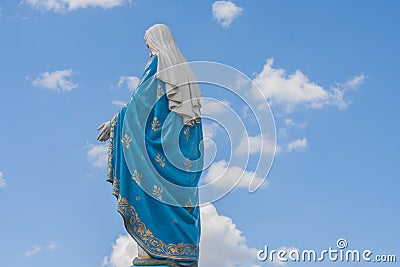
<point x="104" y="131"/>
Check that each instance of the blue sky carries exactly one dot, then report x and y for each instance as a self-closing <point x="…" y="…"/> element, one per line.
<point x="333" y="89"/>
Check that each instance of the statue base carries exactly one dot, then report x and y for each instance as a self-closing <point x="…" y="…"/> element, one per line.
<point x="159" y="263"/>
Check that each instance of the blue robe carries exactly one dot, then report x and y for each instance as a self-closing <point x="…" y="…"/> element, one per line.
<point x="154" y="164"/>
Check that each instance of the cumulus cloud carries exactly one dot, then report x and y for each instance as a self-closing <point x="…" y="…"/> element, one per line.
<point x="225" y="12"/>
<point x="297" y="145"/>
<point x="2" y="180"/>
<point x="221" y="244"/>
<point x="210" y="130"/>
<point x="56" y="80"/>
<point x="221" y="175"/>
<point x="131" y="82"/>
<point x="124" y="250"/>
<point x="97" y="154"/>
<point x="62" y="6"/>
<point x="296" y="89"/>
<point x="256" y="144"/>
<point x="214" y="106"/>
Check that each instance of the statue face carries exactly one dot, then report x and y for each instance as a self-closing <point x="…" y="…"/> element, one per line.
<point x="151" y="51"/>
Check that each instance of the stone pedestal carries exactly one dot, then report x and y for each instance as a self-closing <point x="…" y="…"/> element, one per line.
<point x="158" y="263"/>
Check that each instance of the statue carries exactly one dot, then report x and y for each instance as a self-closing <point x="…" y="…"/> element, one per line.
<point x="155" y="157"/>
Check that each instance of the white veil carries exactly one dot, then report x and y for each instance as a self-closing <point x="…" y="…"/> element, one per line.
<point x="182" y="90"/>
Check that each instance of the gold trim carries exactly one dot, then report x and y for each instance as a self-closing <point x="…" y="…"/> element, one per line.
<point x="146" y="239"/>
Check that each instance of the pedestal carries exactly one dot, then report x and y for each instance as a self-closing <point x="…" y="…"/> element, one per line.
<point x="158" y="263"/>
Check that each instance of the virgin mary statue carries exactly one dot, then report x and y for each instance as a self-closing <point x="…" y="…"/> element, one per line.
<point x="155" y="157"/>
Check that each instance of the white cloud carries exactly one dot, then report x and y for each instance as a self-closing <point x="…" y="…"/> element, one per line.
<point x="214" y="106"/>
<point x="62" y="6"/>
<point x="97" y="155"/>
<point x="32" y="251"/>
<point x="256" y="144"/>
<point x="35" y="249"/>
<point x="118" y="103"/>
<point x="293" y="89"/>
<point x="53" y="245"/>
<point x="297" y="145"/>
<point x="124" y="250"/>
<point x="2" y="180"/>
<point x="356" y="81"/>
<point x="221" y="244"/>
<point x="223" y="176"/>
<point x="289" y="122"/>
<point x="56" y="80"/>
<point x="131" y="82"/>
<point x="286" y="92"/>
<point x="296" y="89"/>
<point x="210" y="130"/>
<point x="225" y="12"/>
<point x="338" y="93"/>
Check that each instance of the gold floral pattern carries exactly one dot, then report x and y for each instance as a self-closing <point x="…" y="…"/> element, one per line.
<point x="137" y="176"/>
<point x="187" y="133"/>
<point x="157" y="192"/>
<point x="160" y="160"/>
<point x="155" y="124"/>
<point x="189" y="205"/>
<point x="126" y="141"/>
<point x="160" y="91"/>
<point x="188" y="164"/>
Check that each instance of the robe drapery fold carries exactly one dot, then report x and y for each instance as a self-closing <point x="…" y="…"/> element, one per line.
<point x="154" y="164"/>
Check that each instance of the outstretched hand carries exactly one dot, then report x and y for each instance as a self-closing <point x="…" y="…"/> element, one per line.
<point x="104" y="131"/>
